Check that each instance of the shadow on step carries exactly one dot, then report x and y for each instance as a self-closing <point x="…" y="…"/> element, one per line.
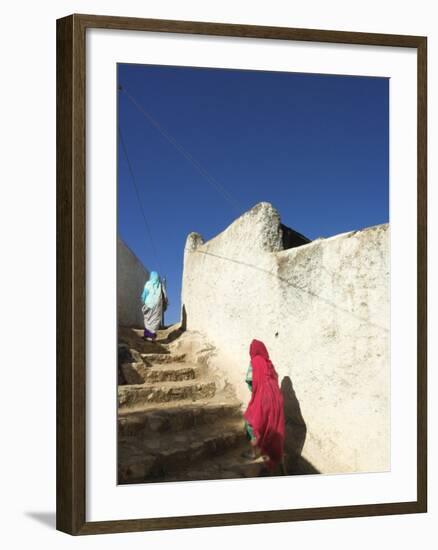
<point x="174" y="332"/>
<point x="171" y="334"/>
<point x="133" y="338"/>
<point x="296" y="432"/>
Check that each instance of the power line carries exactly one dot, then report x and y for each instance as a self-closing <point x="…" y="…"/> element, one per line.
<point x="137" y="193"/>
<point x="211" y="180"/>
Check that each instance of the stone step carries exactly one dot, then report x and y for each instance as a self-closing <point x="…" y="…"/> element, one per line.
<point x="140" y="373"/>
<point x="171" y="372"/>
<point x="136" y="395"/>
<point x="154" y="358"/>
<point x="134" y="339"/>
<point x="155" y="458"/>
<point x="181" y="416"/>
<point x="231" y="465"/>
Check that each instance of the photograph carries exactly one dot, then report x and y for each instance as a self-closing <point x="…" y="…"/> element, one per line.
<point x="225" y="220"/>
<point x="253" y="274"/>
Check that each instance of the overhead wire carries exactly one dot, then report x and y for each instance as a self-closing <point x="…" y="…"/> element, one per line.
<point x="137" y="193"/>
<point x="196" y="164"/>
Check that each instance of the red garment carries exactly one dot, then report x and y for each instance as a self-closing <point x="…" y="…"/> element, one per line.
<point x="265" y="411"/>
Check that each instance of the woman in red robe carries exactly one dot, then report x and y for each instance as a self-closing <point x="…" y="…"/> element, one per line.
<point x="265" y="414"/>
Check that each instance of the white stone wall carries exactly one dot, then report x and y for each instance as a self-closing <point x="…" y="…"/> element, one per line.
<point x="322" y="309"/>
<point x="131" y="277"/>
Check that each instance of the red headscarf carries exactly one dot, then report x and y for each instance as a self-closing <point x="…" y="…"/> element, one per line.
<point x="265" y="410"/>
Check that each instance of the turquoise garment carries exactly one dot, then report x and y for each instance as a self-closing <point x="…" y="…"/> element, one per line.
<point x="248" y="380"/>
<point x="152" y="291"/>
<point x="249" y="430"/>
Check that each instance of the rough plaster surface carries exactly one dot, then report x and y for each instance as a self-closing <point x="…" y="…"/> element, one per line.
<point x="131" y="277"/>
<point x="323" y="311"/>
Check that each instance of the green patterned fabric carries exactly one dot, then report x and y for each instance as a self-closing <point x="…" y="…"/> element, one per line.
<point x="248" y="380"/>
<point x="249" y="430"/>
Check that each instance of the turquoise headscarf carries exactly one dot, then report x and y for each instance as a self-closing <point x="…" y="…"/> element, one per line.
<point x="152" y="290"/>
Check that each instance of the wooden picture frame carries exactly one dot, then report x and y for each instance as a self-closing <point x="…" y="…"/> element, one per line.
<point x="71" y="273"/>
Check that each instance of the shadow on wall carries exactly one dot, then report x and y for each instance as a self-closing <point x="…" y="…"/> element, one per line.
<point x="296" y="431"/>
<point x="184" y="318"/>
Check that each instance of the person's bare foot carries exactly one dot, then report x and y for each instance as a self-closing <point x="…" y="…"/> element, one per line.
<point x="254" y="452"/>
<point x="251" y="454"/>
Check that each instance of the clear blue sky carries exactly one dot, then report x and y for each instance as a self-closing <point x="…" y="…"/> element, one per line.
<point x="315" y="146"/>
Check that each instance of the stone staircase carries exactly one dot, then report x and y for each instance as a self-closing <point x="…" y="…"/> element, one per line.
<point x="176" y="421"/>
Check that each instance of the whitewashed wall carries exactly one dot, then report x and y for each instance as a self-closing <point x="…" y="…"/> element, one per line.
<point x="131" y="277"/>
<point x="322" y="309"/>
